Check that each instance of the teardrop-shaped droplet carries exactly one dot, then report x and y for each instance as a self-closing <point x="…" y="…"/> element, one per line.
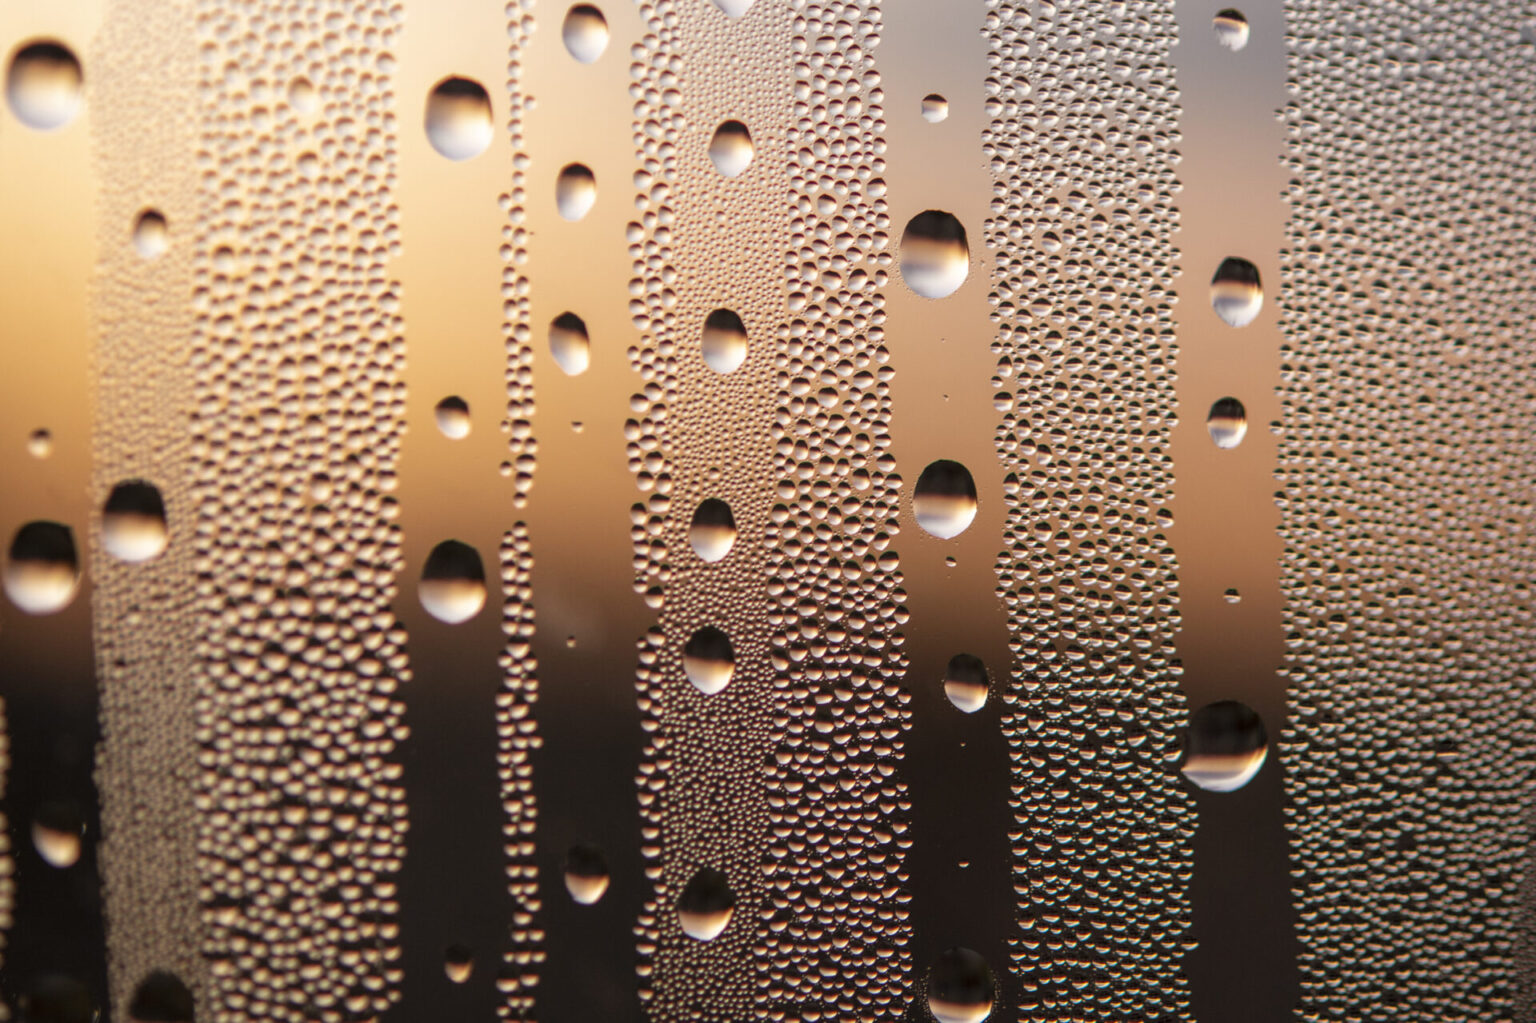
<point x="708" y="660"/>
<point x="961" y="987"/>
<point x="452" y="416"/>
<point x="575" y="191"/>
<point x="1231" y="29"/>
<point x="452" y="586"/>
<point x="585" y="32"/>
<point x="458" y="963"/>
<point x="1228" y="423"/>
<point x="1236" y="294"/>
<point x="133" y="527"/>
<point x="731" y="149"/>
<point x="935" y="108"/>
<point x="713" y="529"/>
<point x="57" y="830"/>
<point x="944" y="500"/>
<point x="151" y="234"/>
<point x="965" y="682"/>
<point x="458" y="118"/>
<point x="161" y="997"/>
<point x="42" y="572"/>
<point x="733" y="8"/>
<point x="724" y="342"/>
<point x="43" y="85"/>
<point x="935" y="257"/>
<point x="586" y="873"/>
<point x="570" y="344"/>
<point x="1225" y="746"/>
<point x="705" y="906"/>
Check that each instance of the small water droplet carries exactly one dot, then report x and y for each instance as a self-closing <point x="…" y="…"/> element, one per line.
<point x="935" y="257"/>
<point x="731" y="149"/>
<point x="935" y="108"/>
<point x="43" y="85"/>
<point x="303" y="96"/>
<point x="1227" y="423"/>
<point x="458" y="118"/>
<point x="161" y="997"/>
<point x="724" y="342"/>
<point x="458" y="963"/>
<point x="965" y="682"/>
<point x="585" y="32"/>
<point x="705" y="906"/>
<point x="575" y="191"/>
<point x="42" y="573"/>
<point x="586" y="873"/>
<point x="944" y="499"/>
<point x="713" y="529"/>
<point x="1231" y="29"/>
<point x="40" y="444"/>
<point x="1224" y="747"/>
<point x="1232" y="597"/>
<point x="151" y="234"/>
<point x="56" y="833"/>
<point x="1236" y="294"/>
<point x="961" y="987"/>
<point x="133" y="526"/>
<point x="452" y="586"/>
<point x="452" y="415"/>
<point x="570" y="344"/>
<point x="708" y="660"/>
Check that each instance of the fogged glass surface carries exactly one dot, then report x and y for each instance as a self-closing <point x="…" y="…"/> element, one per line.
<point x="765" y="510"/>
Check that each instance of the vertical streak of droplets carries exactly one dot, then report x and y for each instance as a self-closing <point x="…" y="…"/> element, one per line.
<point x="296" y="434"/>
<point x="1406" y="463"/>
<point x="145" y="64"/>
<point x="1081" y="145"/>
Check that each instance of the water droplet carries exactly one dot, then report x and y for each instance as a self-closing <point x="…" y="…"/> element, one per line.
<point x="731" y="149"/>
<point x="944" y="500"/>
<point x="935" y="258"/>
<point x="708" y="660"/>
<point x="733" y="8"/>
<point x="961" y="987"/>
<point x="1228" y="423"/>
<point x="56" y="832"/>
<point x="458" y="118"/>
<point x="133" y="527"/>
<point x="1224" y="747"/>
<point x="724" y="341"/>
<point x="585" y="32"/>
<point x="965" y="682"/>
<point x="569" y="344"/>
<point x="575" y="191"/>
<point x="452" y="415"/>
<point x="1231" y="29"/>
<point x="303" y="96"/>
<point x="1236" y="294"/>
<point x="452" y="587"/>
<point x="935" y="108"/>
<point x="586" y="873"/>
<point x="704" y="909"/>
<point x="458" y="963"/>
<point x="151" y="234"/>
<point x="1232" y="597"/>
<point x="40" y="444"/>
<point x="713" y="529"/>
<point x="43" y="571"/>
<point x="43" y="85"/>
<point x="161" y="997"/>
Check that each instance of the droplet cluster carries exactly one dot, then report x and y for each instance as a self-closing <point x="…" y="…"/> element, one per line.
<point x="298" y="411"/>
<point x="1081" y="148"/>
<point x="1406" y="461"/>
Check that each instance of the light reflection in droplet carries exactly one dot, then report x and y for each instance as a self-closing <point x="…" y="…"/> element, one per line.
<point x="43" y="85"/>
<point x="458" y="118"/>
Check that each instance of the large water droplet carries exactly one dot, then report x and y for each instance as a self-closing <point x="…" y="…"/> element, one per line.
<point x="585" y="32"/>
<point x="458" y="963"/>
<point x="133" y="525"/>
<point x="452" y="586"/>
<point x="570" y="344"/>
<point x="1224" y="747"/>
<point x="1236" y="294"/>
<point x="161" y="997"/>
<point x="575" y="191"/>
<point x="731" y="149"/>
<point x="452" y="416"/>
<point x="151" y="234"/>
<point x="935" y="108"/>
<point x="961" y="987"/>
<point x="43" y="85"/>
<point x="43" y="570"/>
<point x="724" y="342"/>
<point x="57" y="830"/>
<point x="1231" y="29"/>
<point x="1228" y="423"/>
<point x="705" y="906"/>
<point x="713" y="529"/>
<point x="586" y="873"/>
<point x="458" y="118"/>
<point x="965" y="682"/>
<point x="935" y="258"/>
<point x="733" y="8"/>
<point x="708" y="660"/>
<point x="944" y="500"/>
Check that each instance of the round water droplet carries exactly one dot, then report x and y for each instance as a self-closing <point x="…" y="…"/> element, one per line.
<point x="705" y="906"/>
<point x="944" y="500"/>
<point x="731" y="149"/>
<point x="151" y="234"/>
<point x="56" y="833"/>
<point x="1232" y="597"/>
<point x="585" y="32"/>
<point x="733" y="8"/>
<point x="303" y="96"/>
<point x="55" y="998"/>
<point x="161" y="997"/>
<point x="961" y="987"/>
<point x="40" y="444"/>
<point x="458" y="118"/>
<point x="724" y="342"/>
<point x="43" y="570"/>
<point x="935" y="258"/>
<point x="575" y="191"/>
<point x="452" y="415"/>
<point x="133" y="525"/>
<point x="1231" y="29"/>
<point x="570" y="344"/>
<point x="1224" y="747"/>
<point x="935" y="108"/>
<point x="586" y="873"/>
<point x="1228" y="423"/>
<point x="965" y="682"/>
<point x="452" y="586"/>
<point x="708" y="660"/>
<point x="458" y="963"/>
<point x="713" y="529"/>
<point x="1236" y="294"/>
<point x="43" y="85"/>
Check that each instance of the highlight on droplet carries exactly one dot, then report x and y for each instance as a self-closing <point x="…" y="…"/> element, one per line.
<point x="570" y="344"/>
<point x="708" y="660"/>
<point x="43" y="84"/>
<point x="961" y="987"/>
<point x="42" y="570"/>
<point x="585" y="32"/>
<point x="452" y="587"/>
<point x="935" y="258"/>
<point x="586" y="873"/>
<point x="1231" y="29"/>
<point x="1236" y="294"/>
<point x="705" y="906"/>
<point x="731" y="149"/>
<point x="944" y="499"/>
<point x="712" y="531"/>
<point x="965" y="682"/>
<point x="133" y="523"/>
<point x="575" y="191"/>
<point x="1224" y="746"/>
<point x="458" y="118"/>
<point x="1227" y="423"/>
<point x="724" y="341"/>
<point x="452" y="417"/>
